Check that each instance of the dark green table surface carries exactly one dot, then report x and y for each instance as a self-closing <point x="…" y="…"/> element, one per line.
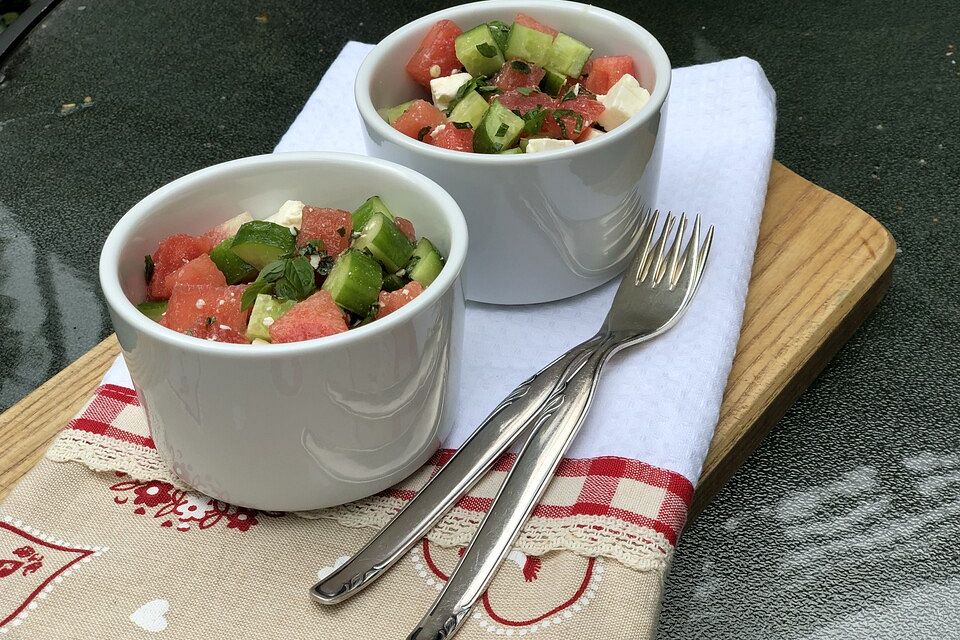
<point x="846" y="521"/>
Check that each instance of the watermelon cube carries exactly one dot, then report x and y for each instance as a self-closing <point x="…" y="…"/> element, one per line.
<point x="407" y="227"/>
<point x="419" y="120"/>
<point x="390" y="301"/>
<point x="453" y="138"/>
<point x="527" y="21"/>
<point x="172" y="253"/>
<point x="516" y="73"/>
<point x="223" y="231"/>
<point x="436" y="55"/>
<point x="587" y="108"/>
<point x="200" y="270"/>
<point x="516" y="101"/>
<point x="603" y="73"/>
<point x="333" y="226"/>
<point x="315" y="317"/>
<point x="207" y="311"/>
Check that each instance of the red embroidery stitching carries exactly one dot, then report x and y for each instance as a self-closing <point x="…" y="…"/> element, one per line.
<point x="31" y="562"/>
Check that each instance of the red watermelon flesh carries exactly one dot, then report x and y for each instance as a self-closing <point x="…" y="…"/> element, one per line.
<point x="452" y="138"/>
<point x="223" y="231"/>
<point x="436" y="48"/>
<point x="333" y="226"/>
<point x="527" y="21"/>
<point x="589" y="110"/>
<point x="315" y="317"/>
<point x="172" y="253"/>
<point x="509" y="77"/>
<point x="419" y="117"/>
<point x="207" y="311"/>
<point x="200" y="270"/>
<point x="390" y="301"/>
<point x="604" y="72"/>
<point x="407" y="227"/>
<point x="516" y="101"/>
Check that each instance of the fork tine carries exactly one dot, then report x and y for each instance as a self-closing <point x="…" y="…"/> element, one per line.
<point x="670" y="261"/>
<point x="643" y="246"/>
<point x="652" y="261"/>
<point x="689" y="255"/>
<point x="704" y="252"/>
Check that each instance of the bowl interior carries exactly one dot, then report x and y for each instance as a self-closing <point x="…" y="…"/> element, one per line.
<point x="606" y="32"/>
<point x="197" y="202"/>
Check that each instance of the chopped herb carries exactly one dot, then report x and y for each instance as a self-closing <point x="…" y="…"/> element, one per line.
<point x="463" y="125"/>
<point x="250" y="293"/>
<point x="324" y="265"/>
<point x="273" y="271"/>
<point x="148" y="267"/>
<point x="533" y="120"/>
<point x="488" y="88"/>
<point x="423" y="133"/>
<point x="500" y="32"/>
<point x="570" y="94"/>
<point x="524" y="91"/>
<point x="209" y="321"/>
<point x="487" y="50"/>
<point x="341" y="231"/>
<point x="314" y="248"/>
<point x="502" y="130"/>
<point x="474" y="84"/>
<point x="520" y="66"/>
<point x="561" y="114"/>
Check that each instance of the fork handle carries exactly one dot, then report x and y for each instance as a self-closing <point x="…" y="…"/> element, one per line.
<point x="521" y="491"/>
<point x="490" y="440"/>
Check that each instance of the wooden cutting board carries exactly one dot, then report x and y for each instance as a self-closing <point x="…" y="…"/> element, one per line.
<point x="821" y="266"/>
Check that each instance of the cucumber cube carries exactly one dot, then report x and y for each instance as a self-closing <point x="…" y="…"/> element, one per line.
<point x="392" y="113"/>
<point x="153" y="310"/>
<point x="470" y="109"/>
<point x="426" y="263"/>
<point x="233" y="268"/>
<point x="499" y="129"/>
<point x="512" y="151"/>
<point x="385" y="242"/>
<point x="366" y="210"/>
<point x="259" y="243"/>
<point x="354" y="282"/>
<point x="553" y="82"/>
<point x="266" y="311"/>
<point x="529" y="44"/>
<point x="567" y="55"/>
<point x="478" y="52"/>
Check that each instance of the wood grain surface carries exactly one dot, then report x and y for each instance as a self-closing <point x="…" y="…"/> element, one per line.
<point x="821" y="266"/>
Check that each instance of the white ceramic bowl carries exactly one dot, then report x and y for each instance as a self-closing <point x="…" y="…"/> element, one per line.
<point x="301" y="425"/>
<point x="544" y="226"/>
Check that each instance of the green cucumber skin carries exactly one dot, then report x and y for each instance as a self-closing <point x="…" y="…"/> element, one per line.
<point x="427" y="268"/>
<point x="153" y="310"/>
<point x="568" y="55"/>
<point x="529" y="45"/>
<point x="485" y="139"/>
<point x="424" y="247"/>
<point x="392" y="114"/>
<point x="470" y="57"/>
<point x="392" y="282"/>
<point x="382" y="238"/>
<point x="231" y="266"/>
<point x="354" y="282"/>
<point x="372" y="205"/>
<point x="259" y="243"/>
<point x="553" y="82"/>
<point x="266" y="306"/>
<point x="470" y="109"/>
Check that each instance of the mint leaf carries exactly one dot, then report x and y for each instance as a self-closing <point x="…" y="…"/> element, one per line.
<point x="525" y="91"/>
<point x="273" y="271"/>
<point x="500" y="32"/>
<point x="520" y="66"/>
<point x="423" y="133"/>
<point x="463" y="125"/>
<point x="487" y="50"/>
<point x="249" y="296"/>
<point x="533" y="120"/>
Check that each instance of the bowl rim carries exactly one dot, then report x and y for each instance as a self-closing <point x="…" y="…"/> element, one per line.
<point x="646" y="40"/>
<point x="118" y="303"/>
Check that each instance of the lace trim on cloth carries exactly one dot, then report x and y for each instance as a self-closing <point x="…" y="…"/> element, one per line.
<point x="618" y="508"/>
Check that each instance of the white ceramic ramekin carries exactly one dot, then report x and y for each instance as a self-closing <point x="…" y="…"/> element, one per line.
<point x="307" y="424"/>
<point x="544" y="226"/>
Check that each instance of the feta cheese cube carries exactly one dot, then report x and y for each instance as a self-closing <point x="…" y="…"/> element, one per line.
<point x="290" y="214"/>
<point x="592" y="134"/>
<point x="624" y="99"/>
<point x="537" y="145"/>
<point x="444" y="89"/>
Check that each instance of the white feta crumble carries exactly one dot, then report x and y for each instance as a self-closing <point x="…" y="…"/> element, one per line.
<point x="592" y="134"/>
<point x="436" y="131"/>
<point x="290" y="214"/>
<point x="625" y="98"/>
<point x="445" y="89"/>
<point x="224" y="327"/>
<point x="268" y="321"/>
<point x="201" y="303"/>
<point x="538" y="145"/>
<point x="314" y="261"/>
<point x="435" y="71"/>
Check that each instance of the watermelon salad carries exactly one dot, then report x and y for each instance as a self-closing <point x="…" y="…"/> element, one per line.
<point x="305" y="272"/>
<point x="519" y="88"/>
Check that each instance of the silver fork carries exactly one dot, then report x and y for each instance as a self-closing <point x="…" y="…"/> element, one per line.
<point x="654" y="293"/>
